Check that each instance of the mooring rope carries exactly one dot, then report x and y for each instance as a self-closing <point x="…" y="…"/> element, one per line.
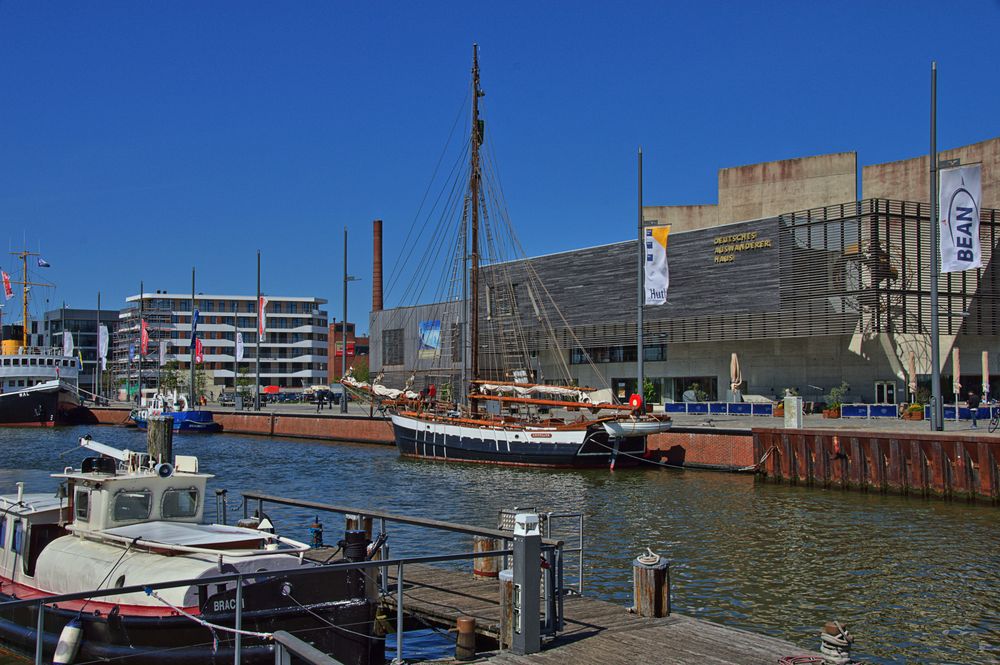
<point x="206" y="624"/>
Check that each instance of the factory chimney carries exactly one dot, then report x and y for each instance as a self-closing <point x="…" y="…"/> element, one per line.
<point x="377" y="266"/>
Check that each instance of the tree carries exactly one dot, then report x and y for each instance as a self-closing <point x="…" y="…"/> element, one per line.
<point x="243" y="382"/>
<point x="361" y="370"/>
<point x="169" y="376"/>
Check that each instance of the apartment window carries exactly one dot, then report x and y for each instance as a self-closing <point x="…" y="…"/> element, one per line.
<point x="392" y="347"/>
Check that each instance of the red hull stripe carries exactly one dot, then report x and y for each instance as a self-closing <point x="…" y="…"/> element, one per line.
<point x="24" y="592"/>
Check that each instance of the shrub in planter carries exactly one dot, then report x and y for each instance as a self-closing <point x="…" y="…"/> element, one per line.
<point x="834" y="399"/>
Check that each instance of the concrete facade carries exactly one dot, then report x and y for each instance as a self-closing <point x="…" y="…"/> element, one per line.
<point x="768" y="189"/>
<point x="909" y="179"/>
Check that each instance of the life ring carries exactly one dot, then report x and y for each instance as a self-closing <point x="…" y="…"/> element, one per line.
<point x="635" y="401"/>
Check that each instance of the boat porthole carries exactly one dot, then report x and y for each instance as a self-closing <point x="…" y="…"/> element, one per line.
<point x="286" y="589"/>
<point x="120" y="582"/>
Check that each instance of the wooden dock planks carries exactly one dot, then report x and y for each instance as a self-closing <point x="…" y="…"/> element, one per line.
<point x="596" y="632"/>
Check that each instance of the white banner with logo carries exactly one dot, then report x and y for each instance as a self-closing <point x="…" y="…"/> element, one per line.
<point x="657" y="273"/>
<point x="239" y="346"/>
<point x="102" y="342"/>
<point x="961" y="193"/>
<point x="163" y="352"/>
<point x="68" y="343"/>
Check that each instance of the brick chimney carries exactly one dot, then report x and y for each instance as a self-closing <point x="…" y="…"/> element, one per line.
<point x="377" y="266"/>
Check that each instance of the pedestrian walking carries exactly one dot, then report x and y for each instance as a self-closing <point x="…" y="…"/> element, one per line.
<point x="973" y="407"/>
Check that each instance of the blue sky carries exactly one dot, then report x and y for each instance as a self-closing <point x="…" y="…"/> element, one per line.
<point x="139" y="139"/>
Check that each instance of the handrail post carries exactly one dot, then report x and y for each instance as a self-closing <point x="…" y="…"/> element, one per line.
<point x="399" y="613"/>
<point x="526" y="638"/>
<point x="385" y="555"/>
<point x="239" y="621"/>
<point x="40" y="634"/>
<point x="560" y="592"/>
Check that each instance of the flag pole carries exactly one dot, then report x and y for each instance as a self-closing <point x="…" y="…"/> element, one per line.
<point x="641" y="290"/>
<point x="139" y="380"/>
<point x="937" y="408"/>
<point x="256" y="394"/>
<point x="194" y="342"/>
<point x="97" y="358"/>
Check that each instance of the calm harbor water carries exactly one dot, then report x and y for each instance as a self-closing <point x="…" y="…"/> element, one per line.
<point x="916" y="580"/>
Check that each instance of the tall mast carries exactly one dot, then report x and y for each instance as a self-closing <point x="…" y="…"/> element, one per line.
<point x="640" y="350"/>
<point x="474" y="175"/>
<point x="23" y="255"/>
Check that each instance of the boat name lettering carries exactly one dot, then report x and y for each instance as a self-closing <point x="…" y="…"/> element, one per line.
<point x="226" y="605"/>
<point x="540" y="436"/>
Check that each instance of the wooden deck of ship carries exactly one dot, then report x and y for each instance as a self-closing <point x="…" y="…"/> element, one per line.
<point x="596" y="631"/>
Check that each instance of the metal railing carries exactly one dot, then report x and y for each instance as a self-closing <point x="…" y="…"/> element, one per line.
<point x="553" y="550"/>
<point x="41" y="603"/>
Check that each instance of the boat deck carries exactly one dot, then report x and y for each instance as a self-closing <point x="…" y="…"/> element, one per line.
<point x="596" y="631"/>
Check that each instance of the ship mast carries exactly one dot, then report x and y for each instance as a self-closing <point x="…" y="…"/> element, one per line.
<point x="23" y="256"/>
<point x="474" y="178"/>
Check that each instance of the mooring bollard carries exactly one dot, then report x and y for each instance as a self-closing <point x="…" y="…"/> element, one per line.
<point x="506" y="608"/>
<point x="525" y="604"/>
<point x="651" y="585"/>
<point x="160" y="439"/>
<point x="358" y="522"/>
<point x="485" y="566"/>
<point x="835" y="643"/>
<point x="465" y="645"/>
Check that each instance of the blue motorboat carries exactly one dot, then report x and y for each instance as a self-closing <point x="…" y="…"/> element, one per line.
<point x="177" y="407"/>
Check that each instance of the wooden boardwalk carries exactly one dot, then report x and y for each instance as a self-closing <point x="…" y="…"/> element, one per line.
<point x="596" y="632"/>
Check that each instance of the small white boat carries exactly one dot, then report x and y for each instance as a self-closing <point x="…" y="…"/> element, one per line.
<point x="123" y="520"/>
<point x="645" y="427"/>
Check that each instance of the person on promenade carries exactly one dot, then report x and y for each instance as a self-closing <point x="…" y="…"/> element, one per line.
<point x="973" y="407"/>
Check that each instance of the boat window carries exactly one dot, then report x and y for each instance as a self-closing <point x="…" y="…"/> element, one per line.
<point x="81" y="503"/>
<point x="3" y="532"/>
<point x="179" y="503"/>
<point x="18" y="533"/>
<point x="131" y="505"/>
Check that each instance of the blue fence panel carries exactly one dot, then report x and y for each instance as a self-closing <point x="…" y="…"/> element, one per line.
<point x="697" y="407"/>
<point x="674" y="407"/>
<point x="883" y="411"/>
<point x="853" y="410"/>
<point x="762" y="409"/>
<point x="743" y="409"/>
<point x="718" y="407"/>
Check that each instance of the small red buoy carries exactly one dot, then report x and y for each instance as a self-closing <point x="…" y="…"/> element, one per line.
<point x="635" y="401"/>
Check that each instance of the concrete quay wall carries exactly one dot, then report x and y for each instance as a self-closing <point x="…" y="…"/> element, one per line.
<point x="946" y="465"/>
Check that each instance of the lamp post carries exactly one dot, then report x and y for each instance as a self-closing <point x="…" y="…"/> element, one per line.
<point x="343" y="332"/>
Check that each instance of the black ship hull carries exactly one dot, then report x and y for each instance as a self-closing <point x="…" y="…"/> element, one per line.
<point x="341" y="627"/>
<point x="41" y="406"/>
<point x="584" y="448"/>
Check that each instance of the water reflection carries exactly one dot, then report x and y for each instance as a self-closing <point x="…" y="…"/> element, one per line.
<point x="915" y="579"/>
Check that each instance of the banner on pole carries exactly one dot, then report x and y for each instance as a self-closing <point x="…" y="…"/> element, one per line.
<point x="8" y="292"/>
<point x="261" y="318"/>
<point x="144" y="339"/>
<point x="102" y="344"/>
<point x="239" y="346"/>
<point x="163" y="352"/>
<point x="68" y="345"/>
<point x="199" y="352"/>
<point x="961" y="193"/>
<point x="657" y="273"/>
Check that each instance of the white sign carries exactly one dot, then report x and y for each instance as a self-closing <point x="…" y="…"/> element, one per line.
<point x="961" y="193"/>
<point x="657" y="273"/>
<point x="68" y="343"/>
<point x="239" y="346"/>
<point x="163" y="352"/>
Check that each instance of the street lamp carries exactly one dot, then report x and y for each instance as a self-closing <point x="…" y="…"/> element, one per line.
<point x="343" y="332"/>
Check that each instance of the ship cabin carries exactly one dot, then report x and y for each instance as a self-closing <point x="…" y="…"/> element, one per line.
<point x="28" y="522"/>
<point x="106" y="494"/>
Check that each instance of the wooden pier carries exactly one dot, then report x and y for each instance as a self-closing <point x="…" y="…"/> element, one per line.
<point x="596" y="632"/>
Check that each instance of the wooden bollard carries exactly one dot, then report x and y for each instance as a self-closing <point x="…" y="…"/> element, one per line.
<point x="651" y="586"/>
<point x="358" y="523"/>
<point x="160" y="438"/>
<point x="506" y="608"/>
<point x="485" y="566"/>
<point x="465" y="645"/>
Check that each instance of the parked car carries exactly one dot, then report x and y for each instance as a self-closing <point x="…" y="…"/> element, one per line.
<point x="227" y="399"/>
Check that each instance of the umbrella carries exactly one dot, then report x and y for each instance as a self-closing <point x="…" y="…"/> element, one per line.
<point x="956" y="382"/>
<point x="913" y="375"/>
<point x="986" y="375"/>
<point x="271" y="390"/>
<point x="735" y="377"/>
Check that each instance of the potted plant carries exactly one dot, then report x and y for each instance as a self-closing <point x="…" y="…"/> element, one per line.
<point x="834" y="399"/>
<point x="648" y="395"/>
<point x="914" y="411"/>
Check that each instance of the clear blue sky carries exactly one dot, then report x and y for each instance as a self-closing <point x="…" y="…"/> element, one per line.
<point x="139" y="139"/>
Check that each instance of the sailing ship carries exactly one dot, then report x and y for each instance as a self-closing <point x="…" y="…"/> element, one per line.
<point x="124" y="519"/>
<point x="39" y="386"/>
<point x="496" y="408"/>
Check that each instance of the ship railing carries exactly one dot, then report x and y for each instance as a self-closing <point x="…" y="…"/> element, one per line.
<point x="553" y="550"/>
<point x="42" y="604"/>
